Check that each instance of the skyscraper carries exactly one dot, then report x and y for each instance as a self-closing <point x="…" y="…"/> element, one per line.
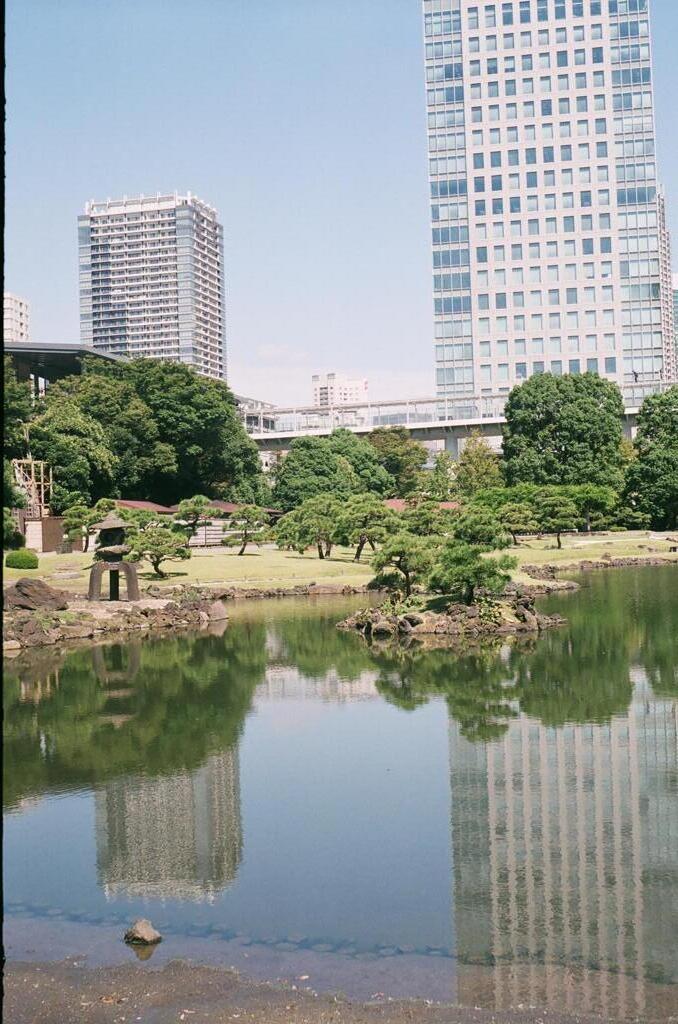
<point x="548" y="226"/>
<point x="152" y="280"/>
<point x="14" y="318"/>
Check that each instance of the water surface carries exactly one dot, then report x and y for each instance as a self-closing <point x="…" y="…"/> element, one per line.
<point x="494" y="828"/>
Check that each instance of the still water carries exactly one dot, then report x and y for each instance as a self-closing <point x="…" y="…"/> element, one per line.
<point x="494" y="829"/>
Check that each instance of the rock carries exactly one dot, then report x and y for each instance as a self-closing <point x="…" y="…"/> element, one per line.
<point x="414" y="618"/>
<point x="34" y="595"/>
<point x="10" y="648"/>
<point x="404" y="626"/>
<point x="77" y="631"/>
<point x="142" y="933"/>
<point x="382" y="627"/>
<point x="217" y="611"/>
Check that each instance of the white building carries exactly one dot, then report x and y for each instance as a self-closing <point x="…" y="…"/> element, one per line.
<point x="152" y="280"/>
<point x="334" y="389"/>
<point x="546" y="213"/>
<point x="14" y="318"/>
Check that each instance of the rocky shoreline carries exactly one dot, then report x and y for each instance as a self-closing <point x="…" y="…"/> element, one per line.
<point x="514" y="615"/>
<point x="37" y="615"/>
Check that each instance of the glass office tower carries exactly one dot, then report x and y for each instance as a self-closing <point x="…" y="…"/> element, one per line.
<point x="152" y="280"/>
<point x="549" y="238"/>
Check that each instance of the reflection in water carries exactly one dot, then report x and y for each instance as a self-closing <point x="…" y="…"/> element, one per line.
<point x="564" y="855"/>
<point x="173" y="837"/>
<point x="563" y="765"/>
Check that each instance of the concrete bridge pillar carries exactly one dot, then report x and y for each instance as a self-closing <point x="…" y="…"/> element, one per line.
<point x="452" y="445"/>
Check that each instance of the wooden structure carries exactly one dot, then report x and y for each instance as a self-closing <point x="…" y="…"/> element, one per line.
<point x="108" y="558"/>
<point x="34" y="478"/>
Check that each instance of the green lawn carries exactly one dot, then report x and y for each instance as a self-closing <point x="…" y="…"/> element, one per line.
<point x="268" y="567"/>
<point x="261" y="568"/>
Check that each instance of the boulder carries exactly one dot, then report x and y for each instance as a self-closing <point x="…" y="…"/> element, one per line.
<point x="382" y="627"/>
<point x="217" y="611"/>
<point x="34" y="595"/>
<point x="142" y="933"/>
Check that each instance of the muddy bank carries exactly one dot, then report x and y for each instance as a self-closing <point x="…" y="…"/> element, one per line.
<point x="512" y="616"/>
<point x="52" y="993"/>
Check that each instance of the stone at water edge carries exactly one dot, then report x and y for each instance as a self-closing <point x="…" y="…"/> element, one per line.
<point x="142" y="933"/>
<point x="34" y="595"/>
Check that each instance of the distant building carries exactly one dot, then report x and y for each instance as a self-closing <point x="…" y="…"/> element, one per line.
<point x="330" y="389"/>
<point x="152" y="280"/>
<point x="14" y="318"/>
<point x="675" y="314"/>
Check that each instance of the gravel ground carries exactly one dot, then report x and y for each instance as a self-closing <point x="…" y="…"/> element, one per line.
<point x="67" y="993"/>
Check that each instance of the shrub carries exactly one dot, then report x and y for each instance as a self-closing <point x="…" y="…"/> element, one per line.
<point x="24" y="558"/>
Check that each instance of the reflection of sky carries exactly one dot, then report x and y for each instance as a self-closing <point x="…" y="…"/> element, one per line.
<point x="345" y="818"/>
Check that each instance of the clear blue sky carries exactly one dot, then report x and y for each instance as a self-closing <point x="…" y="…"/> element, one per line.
<point x="302" y="121"/>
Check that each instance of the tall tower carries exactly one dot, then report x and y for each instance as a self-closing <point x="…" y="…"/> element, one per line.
<point x="14" y="318"/>
<point x="152" y="280"/>
<point x="545" y="208"/>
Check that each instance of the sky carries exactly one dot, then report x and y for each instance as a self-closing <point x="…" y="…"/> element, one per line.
<point x="301" y="121"/>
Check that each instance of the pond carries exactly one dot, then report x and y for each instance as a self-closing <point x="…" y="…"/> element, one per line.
<point x="495" y="828"/>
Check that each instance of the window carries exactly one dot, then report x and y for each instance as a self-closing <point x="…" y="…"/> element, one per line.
<point x="574" y="366"/>
<point x="610" y="364"/>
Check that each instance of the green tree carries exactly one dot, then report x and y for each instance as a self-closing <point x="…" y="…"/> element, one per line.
<point x="518" y="517"/>
<point x="480" y="528"/>
<point x="364" y="519"/>
<point x="194" y="512"/>
<point x="460" y="571"/>
<point x="314" y="522"/>
<point x="555" y="514"/>
<point x="156" y="545"/>
<point x="403" y="561"/>
<point x="425" y="518"/>
<point x="79" y="520"/>
<point x="311" y="468"/>
<point x="652" y="479"/>
<point x="564" y="430"/>
<point x="478" y="467"/>
<point x="12" y="497"/>
<point x="249" y="525"/>
<point x="364" y="461"/>
<point x="16" y="411"/>
<point x="441" y="483"/>
<point x="594" y="502"/>
<point x="75" y="447"/>
<point x="400" y="456"/>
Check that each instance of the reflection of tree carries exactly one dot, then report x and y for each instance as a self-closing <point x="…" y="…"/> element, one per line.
<point x="188" y="700"/>
<point x="658" y="650"/>
<point x="476" y="686"/>
<point x="316" y="648"/>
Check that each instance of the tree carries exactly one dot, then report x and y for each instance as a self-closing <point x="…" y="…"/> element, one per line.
<point x="364" y="461"/>
<point x="16" y="411"/>
<point x="403" y="561"/>
<point x="79" y="520"/>
<point x="481" y="528"/>
<point x="400" y="456"/>
<point x="75" y="447"/>
<point x="592" y="500"/>
<point x="313" y="522"/>
<point x="311" y="468"/>
<point x="441" y="483"/>
<point x="12" y="497"/>
<point x="652" y="479"/>
<point x="156" y="545"/>
<point x="426" y="518"/>
<point x="564" y="430"/>
<point x="517" y="517"/>
<point x="249" y="525"/>
<point x="478" y="467"/>
<point x="194" y="512"/>
<point x="364" y="519"/>
<point x="460" y="571"/>
<point x="556" y="513"/>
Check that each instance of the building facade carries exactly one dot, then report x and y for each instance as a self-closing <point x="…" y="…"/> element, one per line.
<point x="330" y="389"/>
<point x="547" y="222"/>
<point x="152" y="280"/>
<point x="15" y="320"/>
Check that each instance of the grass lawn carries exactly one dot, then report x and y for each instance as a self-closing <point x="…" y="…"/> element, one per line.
<point x="258" y="567"/>
<point x="267" y="567"/>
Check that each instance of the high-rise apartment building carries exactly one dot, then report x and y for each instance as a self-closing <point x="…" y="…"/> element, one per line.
<point x="332" y="389"/>
<point x="675" y="316"/>
<point x="152" y="280"/>
<point x="548" y="226"/>
<point x="14" y="318"/>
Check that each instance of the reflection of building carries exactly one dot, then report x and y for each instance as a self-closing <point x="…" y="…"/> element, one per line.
<point x="565" y="851"/>
<point x="171" y="837"/>
<point x="286" y="681"/>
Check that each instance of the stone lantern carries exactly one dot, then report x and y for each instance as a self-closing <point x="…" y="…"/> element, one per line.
<point x="108" y="556"/>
